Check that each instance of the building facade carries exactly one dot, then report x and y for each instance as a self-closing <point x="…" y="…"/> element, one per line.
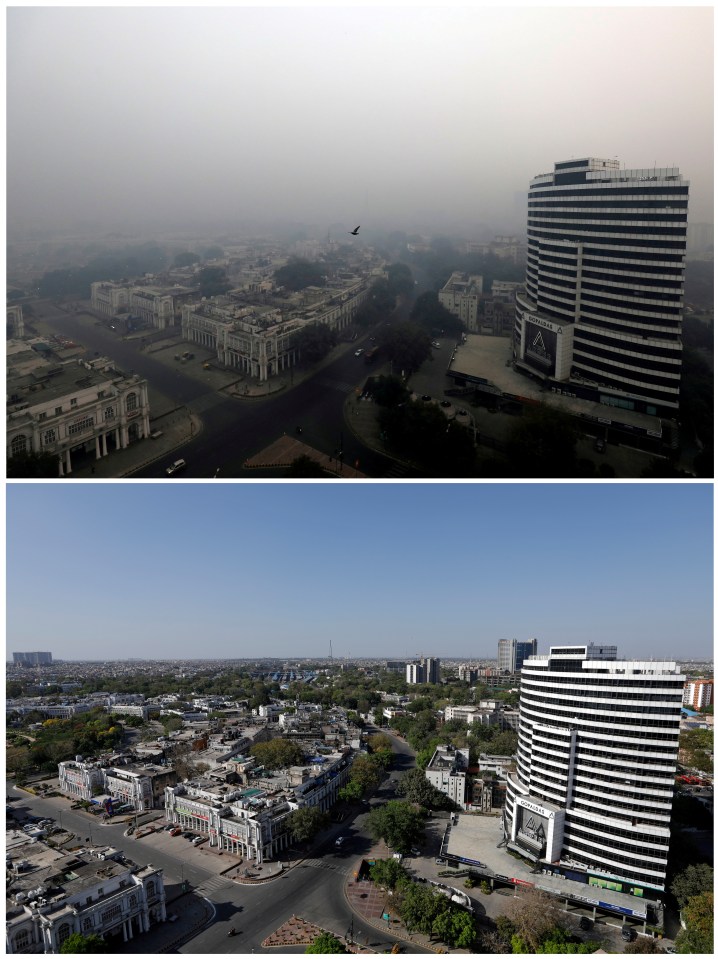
<point x="513" y="652"/>
<point x="603" y="301"/>
<point x="447" y="773"/>
<point x="86" y="408"/>
<point x="698" y="693"/>
<point x="101" y="894"/>
<point x="460" y="295"/>
<point x="32" y="659"/>
<point x="426" y="670"/>
<point x="595" y="766"/>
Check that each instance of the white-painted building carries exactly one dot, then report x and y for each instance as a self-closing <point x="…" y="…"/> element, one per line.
<point x="447" y="772"/>
<point x="154" y="306"/>
<point x="596" y="765"/>
<point x="108" y="298"/>
<point x="92" y="892"/>
<point x="460" y="295"/>
<point x="76" y="408"/>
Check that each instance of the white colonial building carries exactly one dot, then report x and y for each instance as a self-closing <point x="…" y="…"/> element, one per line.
<point x="52" y="895"/>
<point x="81" y="407"/>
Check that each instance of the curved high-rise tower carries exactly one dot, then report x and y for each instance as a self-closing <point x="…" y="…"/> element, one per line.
<point x="595" y="766"/>
<point x="604" y="283"/>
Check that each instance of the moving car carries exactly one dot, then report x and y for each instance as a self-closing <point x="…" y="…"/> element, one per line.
<point x="358" y="352"/>
<point x="176" y="467"/>
<point x="340" y="841"/>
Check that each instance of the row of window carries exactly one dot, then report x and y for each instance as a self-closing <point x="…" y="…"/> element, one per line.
<point x="647" y="727"/>
<point x="625" y="379"/>
<point x="654" y="850"/>
<point x="615" y="220"/>
<point x="604" y="202"/>
<point x="610" y="191"/>
<point x="628" y="361"/>
<point x="620" y="688"/>
<point x="674" y="285"/>
<point x="629" y="244"/>
<point x="628" y="330"/>
<point x="641" y="258"/>
<point x="592" y="706"/>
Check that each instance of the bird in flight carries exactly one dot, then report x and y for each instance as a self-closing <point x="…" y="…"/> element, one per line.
<point x="354" y="232"/>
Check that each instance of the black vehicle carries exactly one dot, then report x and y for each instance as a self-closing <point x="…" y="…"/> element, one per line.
<point x="232" y="932"/>
<point x="628" y="934"/>
<point x="585" y="923"/>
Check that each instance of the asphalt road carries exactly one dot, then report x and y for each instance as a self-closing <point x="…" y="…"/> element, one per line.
<point x="312" y="889"/>
<point x="235" y="429"/>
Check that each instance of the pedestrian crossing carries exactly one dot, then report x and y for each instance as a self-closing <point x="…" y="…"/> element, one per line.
<point x="340" y="385"/>
<point x="324" y="864"/>
<point x="213" y="884"/>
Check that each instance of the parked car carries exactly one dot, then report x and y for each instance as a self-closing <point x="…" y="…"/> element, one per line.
<point x="176" y="831"/>
<point x="628" y="934"/>
<point x="585" y="923"/>
<point x="340" y="841"/>
<point x="176" y="467"/>
<point x="439" y="861"/>
<point x="358" y="352"/>
<point x="600" y="445"/>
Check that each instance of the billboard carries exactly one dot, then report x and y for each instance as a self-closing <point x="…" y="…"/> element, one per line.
<point x="540" y="348"/>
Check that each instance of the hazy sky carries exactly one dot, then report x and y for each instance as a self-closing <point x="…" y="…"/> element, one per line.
<point x="275" y="569"/>
<point x="399" y="117"/>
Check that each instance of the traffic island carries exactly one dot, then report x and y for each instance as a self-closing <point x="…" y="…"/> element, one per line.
<point x="299" y="932"/>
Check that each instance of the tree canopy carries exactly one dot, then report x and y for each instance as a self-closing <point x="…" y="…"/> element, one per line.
<point x="416" y="788"/>
<point x="431" y="316"/>
<point x="698" y="917"/>
<point x="407" y="346"/>
<point x="76" y="943"/>
<point x="298" y="274"/>
<point x="694" y="880"/>
<point x="398" y="823"/>
<point x="315" y="340"/>
<point x="325" y="944"/>
<point x="213" y="281"/>
<point x="29" y="465"/>
<point x="306" y="822"/>
<point x="278" y="754"/>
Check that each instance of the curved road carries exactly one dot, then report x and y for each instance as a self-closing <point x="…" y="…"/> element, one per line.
<point x="235" y="429"/>
<point x="313" y="888"/>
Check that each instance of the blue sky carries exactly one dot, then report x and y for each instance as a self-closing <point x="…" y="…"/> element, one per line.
<point x="276" y="569"/>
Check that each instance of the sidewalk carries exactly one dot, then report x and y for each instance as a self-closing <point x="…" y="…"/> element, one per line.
<point x="193" y="913"/>
<point x="371" y="904"/>
<point x="178" y="427"/>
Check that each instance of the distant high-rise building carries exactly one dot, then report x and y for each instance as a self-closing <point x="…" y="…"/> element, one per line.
<point x="603" y="304"/>
<point x="595" y="766"/>
<point x="32" y="659"/>
<point x="427" y="670"/>
<point x="512" y="653"/>
<point x="698" y="693"/>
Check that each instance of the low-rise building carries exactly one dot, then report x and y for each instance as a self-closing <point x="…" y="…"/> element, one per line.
<point x="447" y="772"/>
<point x="51" y="895"/>
<point x="73" y="408"/>
<point x="249" y="818"/>
<point x="698" y="693"/>
<point x="140" y="787"/>
<point x="460" y="295"/>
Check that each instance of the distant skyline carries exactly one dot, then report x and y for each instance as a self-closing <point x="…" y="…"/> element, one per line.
<point x="400" y="117"/>
<point x="249" y="570"/>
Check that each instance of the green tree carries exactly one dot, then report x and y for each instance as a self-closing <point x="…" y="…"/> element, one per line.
<point x="325" y="944"/>
<point x="416" y="788"/>
<point x="407" y="346"/>
<point x="314" y="341"/>
<point x="76" y="943"/>
<point x="420" y="906"/>
<point x="351" y="792"/>
<point x="365" y="771"/>
<point x="692" y="882"/>
<point x="389" y="391"/>
<point x="278" y="754"/>
<point x="431" y="316"/>
<point x="504" y="743"/>
<point x="698" y="917"/>
<point x="306" y="822"/>
<point x="398" y="823"/>
<point x="304" y="467"/>
<point x="455" y="927"/>
<point x="213" y="281"/>
<point x="543" y="443"/>
<point x="388" y="873"/>
<point x="186" y="259"/>
<point x="212" y="252"/>
<point x="298" y="274"/>
<point x="535" y="916"/>
<point x="32" y="466"/>
<point x="400" y="279"/>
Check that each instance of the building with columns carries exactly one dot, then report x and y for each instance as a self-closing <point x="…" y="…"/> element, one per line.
<point x="15" y="322"/>
<point x="249" y="819"/>
<point x="51" y="895"/>
<point x="262" y="342"/>
<point x="141" y="787"/>
<point x="82" y="408"/>
<point x="108" y="298"/>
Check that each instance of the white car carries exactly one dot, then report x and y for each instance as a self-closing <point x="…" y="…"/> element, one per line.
<point x="340" y="841"/>
<point x="176" y="467"/>
<point x="358" y="352"/>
